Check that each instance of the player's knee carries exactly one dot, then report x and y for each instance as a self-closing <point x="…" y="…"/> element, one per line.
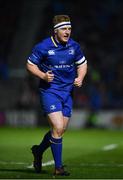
<point x="60" y="132"/>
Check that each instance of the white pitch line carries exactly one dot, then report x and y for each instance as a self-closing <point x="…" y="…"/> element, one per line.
<point x="49" y="163"/>
<point x="101" y="165"/>
<point x="12" y="162"/>
<point x="110" y="147"/>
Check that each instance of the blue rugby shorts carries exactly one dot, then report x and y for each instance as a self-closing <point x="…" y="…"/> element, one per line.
<point x="56" y="101"/>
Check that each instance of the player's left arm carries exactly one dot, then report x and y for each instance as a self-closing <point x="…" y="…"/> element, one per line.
<point x="81" y="72"/>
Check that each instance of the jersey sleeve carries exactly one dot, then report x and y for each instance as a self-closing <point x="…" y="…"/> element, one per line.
<point x="36" y="56"/>
<point x="79" y="56"/>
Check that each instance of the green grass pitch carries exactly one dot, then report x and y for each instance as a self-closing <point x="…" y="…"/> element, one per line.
<point x="88" y="153"/>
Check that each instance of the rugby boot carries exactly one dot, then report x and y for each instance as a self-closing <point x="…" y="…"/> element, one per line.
<point x="61" y="172"/>
<point x="37" y="163"/>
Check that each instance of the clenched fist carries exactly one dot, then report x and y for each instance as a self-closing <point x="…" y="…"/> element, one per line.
<point x="78" y="82"/>
<point x="49" y="76"/>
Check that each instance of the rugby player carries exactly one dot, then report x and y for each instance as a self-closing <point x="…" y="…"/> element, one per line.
<point x="60" y="64"/>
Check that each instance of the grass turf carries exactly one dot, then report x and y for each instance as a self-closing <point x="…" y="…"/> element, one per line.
<point x="82" y="153"/>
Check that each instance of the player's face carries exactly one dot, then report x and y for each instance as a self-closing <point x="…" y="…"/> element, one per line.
<point x="63" y="34"/>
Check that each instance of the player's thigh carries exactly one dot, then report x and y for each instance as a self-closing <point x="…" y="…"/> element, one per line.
<point x="50" y="102"/>
<point x="67" y="108"/>
<point x="56" y="120"/>
<point x="66" y="122"/>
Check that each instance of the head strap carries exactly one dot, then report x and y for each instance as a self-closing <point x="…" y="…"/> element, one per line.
<point x="62" y="24"/>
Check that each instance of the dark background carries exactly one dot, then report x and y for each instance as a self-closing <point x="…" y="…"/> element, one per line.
<point x="96" y="25"/>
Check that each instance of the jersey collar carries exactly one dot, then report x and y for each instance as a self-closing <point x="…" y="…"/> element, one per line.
<point x="56" y="43"/>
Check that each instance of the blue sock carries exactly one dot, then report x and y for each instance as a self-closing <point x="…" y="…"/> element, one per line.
<point x="56" y="147"/>
<point x="45" y="142"/>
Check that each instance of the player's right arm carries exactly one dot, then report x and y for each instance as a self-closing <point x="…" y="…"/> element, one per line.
<point x="33" y="62"/>
<point x="33" y="68"/>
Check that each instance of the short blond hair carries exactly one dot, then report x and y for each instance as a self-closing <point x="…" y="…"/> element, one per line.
<point x="60" y="18"/>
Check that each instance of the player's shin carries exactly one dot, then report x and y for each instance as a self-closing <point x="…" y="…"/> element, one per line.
<point x="45" y="144"/>
<point x="56" y="147"/>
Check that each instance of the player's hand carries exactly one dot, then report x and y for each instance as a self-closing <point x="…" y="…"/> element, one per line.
<point x="49" y="76"/>
<point x="78" y="82"/>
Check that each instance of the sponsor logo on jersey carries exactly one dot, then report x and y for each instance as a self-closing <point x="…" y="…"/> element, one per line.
<point x="63" y="66"/>
<point x="60" y="66"/>
<point x="51" y="52"/>
<point x="62" y="62"/>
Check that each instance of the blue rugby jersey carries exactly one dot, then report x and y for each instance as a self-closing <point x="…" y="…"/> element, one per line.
<point x="61" y="59"/>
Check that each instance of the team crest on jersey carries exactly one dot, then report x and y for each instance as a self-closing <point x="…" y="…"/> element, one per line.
<point x="71" y="51"/>
<point x="51" y="52"/>
<point x="52" y="107"/>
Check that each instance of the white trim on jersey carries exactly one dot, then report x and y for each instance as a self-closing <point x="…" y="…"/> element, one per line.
<point x="80" y="61"/>
<point x="30" y="62"/>
<point x="85" y="62"/>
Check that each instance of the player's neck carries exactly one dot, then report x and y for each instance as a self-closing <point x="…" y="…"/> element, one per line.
<point x="60" y="42"/>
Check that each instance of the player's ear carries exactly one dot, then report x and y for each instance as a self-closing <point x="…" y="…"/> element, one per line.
<point x="55" y="31"/>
